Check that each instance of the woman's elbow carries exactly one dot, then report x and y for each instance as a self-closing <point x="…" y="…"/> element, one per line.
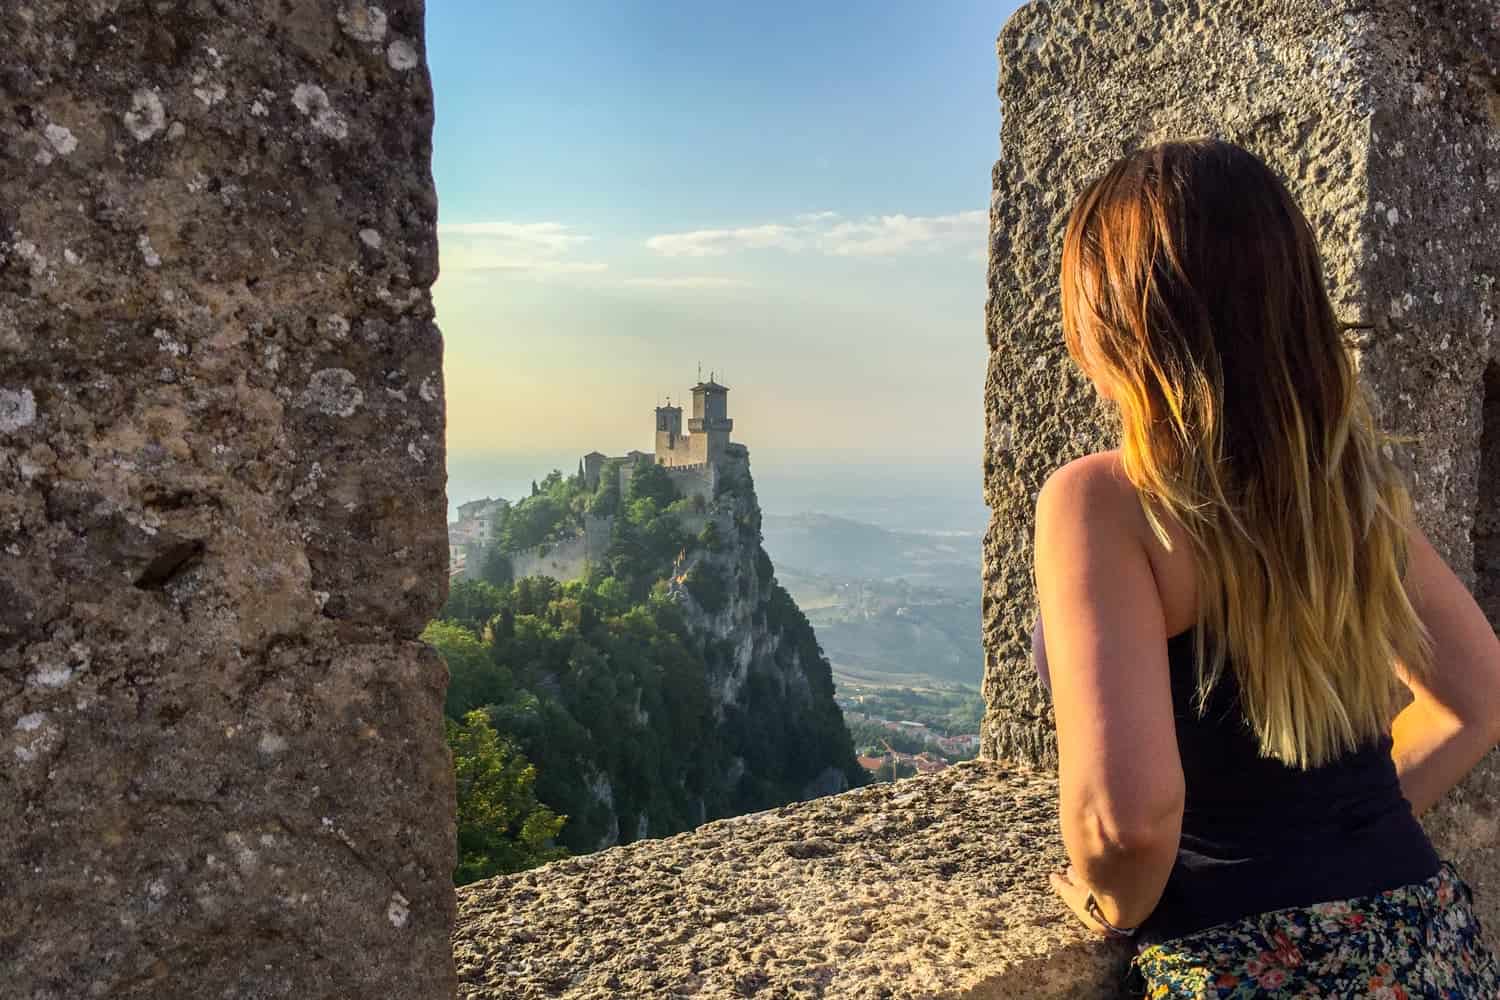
<point x="1144" y="829"/>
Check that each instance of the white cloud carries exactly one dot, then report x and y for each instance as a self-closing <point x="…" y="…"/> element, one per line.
<point x="538" y="248"/>
<point x="825" y="232"/>
<point x="717" y="242"/>
<point x="894" y="234"/>
<point x="687" y="281"/>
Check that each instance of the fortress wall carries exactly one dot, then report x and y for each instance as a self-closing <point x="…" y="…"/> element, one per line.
<point x="221" y="503"/>
<point x="693" y="481"/>
<point x="563" y="561"/>
<point x="567" y="560"/>
<point x="1383" y="118"/>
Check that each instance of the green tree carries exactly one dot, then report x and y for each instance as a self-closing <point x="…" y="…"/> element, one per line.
<point x="501" y="826"/>
<point x="532" y="522"/>
<point x="474" y="679"/>
<point x="606" y="500"/>
<point x="614" y="596"/>
<point x="472" y="603"/>
<point x="652" y="481"/>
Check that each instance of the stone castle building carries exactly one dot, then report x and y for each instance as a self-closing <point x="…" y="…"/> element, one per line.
<point x="708" y="428"/>
<point x="695" y="460"/>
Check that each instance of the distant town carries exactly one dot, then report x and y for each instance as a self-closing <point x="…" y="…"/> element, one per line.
<point x="878" y="754"/>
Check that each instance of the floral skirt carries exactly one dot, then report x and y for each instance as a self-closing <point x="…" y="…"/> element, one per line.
<point x="1418" y="941"/>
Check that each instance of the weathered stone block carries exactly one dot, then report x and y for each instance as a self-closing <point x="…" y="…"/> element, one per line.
<point x="932" y="887"/>
<point x="221" y="502"/>
<point x="1385" y="120"/>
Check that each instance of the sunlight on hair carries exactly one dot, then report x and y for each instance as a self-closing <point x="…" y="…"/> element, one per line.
<point x="1191" y="283"/>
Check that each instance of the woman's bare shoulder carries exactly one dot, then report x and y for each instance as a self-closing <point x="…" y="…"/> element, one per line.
<point x="1094" y="484"/>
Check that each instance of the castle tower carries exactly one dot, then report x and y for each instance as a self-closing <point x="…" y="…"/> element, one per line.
<point x="710" y="423"/>
<point x="669" y="437"/>
<point x="593" y="464"/>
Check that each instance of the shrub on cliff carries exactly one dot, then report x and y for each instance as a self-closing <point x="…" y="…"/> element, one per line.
<point x="501" y="826"/>
<point x="651" y="482"/>
<point x="706" y="583"/>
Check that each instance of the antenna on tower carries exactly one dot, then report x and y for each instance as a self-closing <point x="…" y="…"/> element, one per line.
<point x="700" y="371"/>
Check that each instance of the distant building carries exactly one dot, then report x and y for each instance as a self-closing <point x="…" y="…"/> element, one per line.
<point x="474" y="520"/>
<point x="958" y="744"/>
<point x="708" y="428"/>
<point x="927" y="763"/>
<point x="694" y="459"/>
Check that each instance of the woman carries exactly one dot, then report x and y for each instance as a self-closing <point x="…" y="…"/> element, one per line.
<point x="1235" y="599"/>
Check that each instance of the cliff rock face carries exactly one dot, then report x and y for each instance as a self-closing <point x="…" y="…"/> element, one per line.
<point x="221" y="504"/>
<point x="769" y="679"/>
<point x="771" y="732"/>
<point x="1384" y="118"/>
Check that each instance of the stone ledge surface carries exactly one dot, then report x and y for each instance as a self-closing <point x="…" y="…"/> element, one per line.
<point x="932" y="887"/>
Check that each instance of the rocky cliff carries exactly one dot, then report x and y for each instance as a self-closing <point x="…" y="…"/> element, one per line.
<point x="769" y="683"/>
<point x="671" y="680"/>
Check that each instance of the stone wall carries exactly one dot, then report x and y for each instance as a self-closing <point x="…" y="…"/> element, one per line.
<point x="932" y="887"/>
<point x="1385" y="120"/>
<point x="698" y="480"/>
<point x="221" y="503"/>
<point x="569" y="559"/>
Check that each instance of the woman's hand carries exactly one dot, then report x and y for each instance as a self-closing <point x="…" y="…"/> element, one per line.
<point x="1073" y="892"/>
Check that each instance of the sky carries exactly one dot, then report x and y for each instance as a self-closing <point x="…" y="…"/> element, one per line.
<point x="794" y="196"/>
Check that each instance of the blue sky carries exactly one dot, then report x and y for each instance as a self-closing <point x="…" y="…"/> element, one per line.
<point x="794" y="195"/>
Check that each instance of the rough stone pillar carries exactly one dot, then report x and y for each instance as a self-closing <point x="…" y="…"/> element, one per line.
<point x="221" y="504"/>
<point x="1385" y="119"/>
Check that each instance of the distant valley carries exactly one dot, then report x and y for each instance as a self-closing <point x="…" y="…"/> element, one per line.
<point x="897" y="608"/>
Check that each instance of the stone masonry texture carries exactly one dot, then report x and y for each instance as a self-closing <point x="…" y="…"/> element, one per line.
<point x="221" y="504"/>
<point x="933" y="887"/>
<point x="1384" y="118"/>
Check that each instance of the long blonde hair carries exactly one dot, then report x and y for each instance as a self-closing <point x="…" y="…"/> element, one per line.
<point x="1192" y="287"/>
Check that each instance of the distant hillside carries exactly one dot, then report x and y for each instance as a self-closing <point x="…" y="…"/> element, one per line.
<point x="884" y="602"/>
<point x="823" y="545"/>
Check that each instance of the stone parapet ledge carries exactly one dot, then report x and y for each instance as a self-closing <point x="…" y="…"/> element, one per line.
<point x="931" y="887"/>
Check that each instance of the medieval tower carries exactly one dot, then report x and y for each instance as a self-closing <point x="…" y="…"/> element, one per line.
<point x="695" y="457"/>
<point x="708" y="429"/>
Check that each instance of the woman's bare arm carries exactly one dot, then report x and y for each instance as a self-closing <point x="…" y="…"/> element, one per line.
<point x="1120" y="778"/>
<point x="1454" y="717"/>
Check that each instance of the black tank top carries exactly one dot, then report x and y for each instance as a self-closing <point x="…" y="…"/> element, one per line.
<point x="1258" y="835"/>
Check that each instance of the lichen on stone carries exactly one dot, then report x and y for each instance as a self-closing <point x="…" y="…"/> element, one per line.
<point x="333" y="392"/>
<point x="146" y="116"/>
<point x="17" y="410"/>
<point x="312" y="101"/>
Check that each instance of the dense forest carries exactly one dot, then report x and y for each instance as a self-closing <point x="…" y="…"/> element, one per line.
<point x="592" y="711"/>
